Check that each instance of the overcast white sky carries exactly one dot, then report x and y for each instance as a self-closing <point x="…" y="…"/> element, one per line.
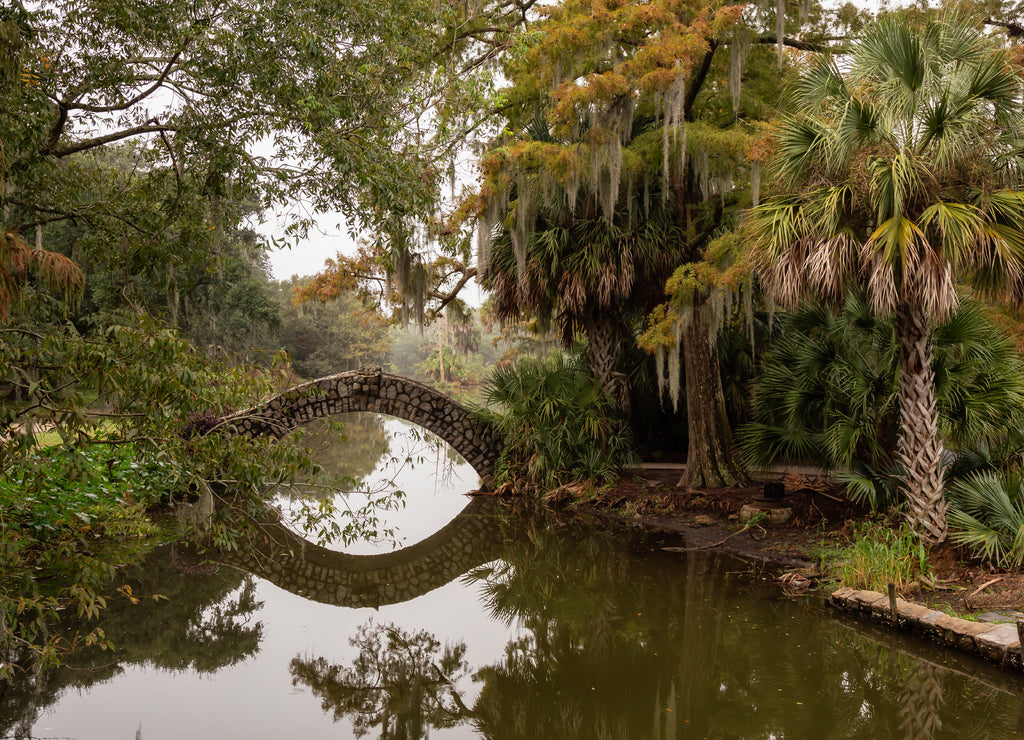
<point x="326" y="240"/>
<point x="329" y="237"/>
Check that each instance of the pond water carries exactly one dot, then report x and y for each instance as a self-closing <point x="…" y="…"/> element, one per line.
<point x="481" y="621"/>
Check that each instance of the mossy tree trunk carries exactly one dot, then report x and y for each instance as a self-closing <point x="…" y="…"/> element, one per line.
<point x="711" y="460"/>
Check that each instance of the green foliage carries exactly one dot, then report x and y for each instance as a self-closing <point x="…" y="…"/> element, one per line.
<point x="878" y="554"/>
<point x="325" y="88"/>
<point x="324" y="337"/>
<point x="133" y="404"/>
<point x="557" y="423"/>
<point x="987" y="515"/>
<point x="457" y="368"/>
<point x="66" y="514"/>
<point x="53" y="492"/>
<point x="827" y="394"/>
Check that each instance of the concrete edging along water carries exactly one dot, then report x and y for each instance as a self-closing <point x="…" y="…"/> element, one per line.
<point x="996" y="642"/>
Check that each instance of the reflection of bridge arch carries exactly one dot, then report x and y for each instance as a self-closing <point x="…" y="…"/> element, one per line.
<point x="297" y="565"/>
<point x="376" y="391"/>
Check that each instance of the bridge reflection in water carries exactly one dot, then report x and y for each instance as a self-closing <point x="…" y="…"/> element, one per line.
<point x="297" y="565"/>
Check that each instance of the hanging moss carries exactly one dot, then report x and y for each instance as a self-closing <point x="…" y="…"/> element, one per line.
<point x="780" y="28"/>
<point x="738" y="51"/>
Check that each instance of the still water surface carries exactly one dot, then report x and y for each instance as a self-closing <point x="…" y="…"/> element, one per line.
<point x="492" y="623"/>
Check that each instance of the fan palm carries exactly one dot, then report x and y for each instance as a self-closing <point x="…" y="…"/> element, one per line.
<point x="900" y="173"/>
<point x="828" y="385"/>
<point x="18" y="261"/>
<point x="583" y="274"/>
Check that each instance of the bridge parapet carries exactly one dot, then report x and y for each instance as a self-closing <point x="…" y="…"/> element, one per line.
<point x="375" y="391"/>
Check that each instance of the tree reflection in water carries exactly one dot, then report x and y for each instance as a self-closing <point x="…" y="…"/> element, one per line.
<point x="203" y="624"/>
<point x="401" y="682"/>
<point x="621" y="644"/>
<point x="607" y="640"/>
<point x="348" y="446"/>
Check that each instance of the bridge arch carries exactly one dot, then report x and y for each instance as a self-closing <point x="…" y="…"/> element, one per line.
<point x="376" y="391"/>
<point x="287" y="560"/>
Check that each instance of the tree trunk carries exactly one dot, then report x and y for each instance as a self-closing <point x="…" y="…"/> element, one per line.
<point x="920" y="713"/>
<point x="919" y="449"/>
<point x="602" y="337"/>
<point x="711" y="460"/>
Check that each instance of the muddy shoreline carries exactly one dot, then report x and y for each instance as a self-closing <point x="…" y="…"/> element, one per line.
<point x="963" y="591"/>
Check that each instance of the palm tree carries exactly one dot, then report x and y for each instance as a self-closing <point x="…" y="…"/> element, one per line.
<point x="585" y="275"/>
<point x="900" y="173"/>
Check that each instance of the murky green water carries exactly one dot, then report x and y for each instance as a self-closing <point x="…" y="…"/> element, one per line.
<point x="494" y="624"/>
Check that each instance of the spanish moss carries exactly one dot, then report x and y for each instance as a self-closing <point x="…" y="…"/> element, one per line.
<point x="780" y="27"/>
<point x="674" y="130"/>
<point x="738" y="51"/>
<point x="525" y="217"/>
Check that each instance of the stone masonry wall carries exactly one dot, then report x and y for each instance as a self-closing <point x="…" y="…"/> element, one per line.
<point x="376" y="391"/>
<point x="301" y="567"/>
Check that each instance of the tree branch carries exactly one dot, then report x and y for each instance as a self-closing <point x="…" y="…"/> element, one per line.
<point x="57" y="128"/>
<point x="698" y="81"/>
<point x="174" y="160"/>
<point x="801" y="45"/>
<point x="447" y="298"/>
<point x="138" y="98"/>
<point x="152" y="126"/>
<point x="1013" y="30"/>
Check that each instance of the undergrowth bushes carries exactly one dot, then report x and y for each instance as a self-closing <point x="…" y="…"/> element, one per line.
<point x="827" y="394"/>
<point x="559" y="427"/>
<point x="986" y="515"/>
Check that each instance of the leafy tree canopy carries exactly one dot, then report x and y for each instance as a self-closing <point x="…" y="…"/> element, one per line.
<point x="332" y="103"/>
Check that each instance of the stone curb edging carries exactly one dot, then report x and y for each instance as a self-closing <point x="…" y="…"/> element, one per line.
<point x="998" y="643"/>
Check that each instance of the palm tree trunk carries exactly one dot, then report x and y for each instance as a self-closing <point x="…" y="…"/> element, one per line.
<point x="711" y="460"/>
<point x="602" y="337"/>
<point x="922" y="699"/>
<point x="919" y="449"/>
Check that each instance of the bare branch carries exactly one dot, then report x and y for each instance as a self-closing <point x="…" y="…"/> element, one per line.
<point x="447" y="298"/>
<point x="1013" y="30"/>
<point x="817" y="46"/>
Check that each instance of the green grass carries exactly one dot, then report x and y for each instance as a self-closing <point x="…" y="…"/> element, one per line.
<point x="879" y="553"/>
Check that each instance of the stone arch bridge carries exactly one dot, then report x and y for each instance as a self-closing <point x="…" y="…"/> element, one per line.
<point x="376" y="391"/>
<point x="284" y="558"/>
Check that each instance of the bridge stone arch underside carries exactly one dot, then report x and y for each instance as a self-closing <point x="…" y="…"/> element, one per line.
<point x="287" y="560"/>
<point x="380" y="392"/>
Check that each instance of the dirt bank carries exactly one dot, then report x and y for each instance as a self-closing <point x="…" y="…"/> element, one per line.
<point x="821" y="516"/>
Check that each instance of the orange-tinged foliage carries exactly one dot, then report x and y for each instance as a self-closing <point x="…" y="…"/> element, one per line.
<point x="339" y="275"/>
<point x="18" y="261"/>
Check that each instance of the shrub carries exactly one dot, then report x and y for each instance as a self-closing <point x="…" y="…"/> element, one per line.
<point x="987" y="516"/>
<point x="557" y="423"/>
<point x="827" y="389"/>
